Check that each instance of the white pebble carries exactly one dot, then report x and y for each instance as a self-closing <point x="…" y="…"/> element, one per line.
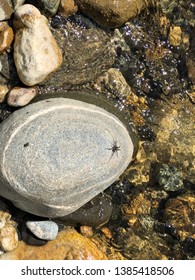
<point x="46" y="230"/>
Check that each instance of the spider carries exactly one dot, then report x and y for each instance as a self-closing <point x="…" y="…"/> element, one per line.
<point x="115" y="148"/>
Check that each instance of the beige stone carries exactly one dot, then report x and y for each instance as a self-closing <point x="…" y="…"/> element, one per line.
<point x="4" y="218"/>
<point x="6" y="9"/>
<point x="8" y="238"/>
<point x="36" y="53"/>
<point x="20" y="96"/>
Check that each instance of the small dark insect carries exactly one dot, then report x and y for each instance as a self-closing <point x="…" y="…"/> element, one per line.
<point x="115" y="148"/>
<point x="26" y="145"/>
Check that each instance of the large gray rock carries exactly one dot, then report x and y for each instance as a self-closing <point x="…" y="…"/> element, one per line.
<point x="59" y="153"/>
<point x="36" y="53"/>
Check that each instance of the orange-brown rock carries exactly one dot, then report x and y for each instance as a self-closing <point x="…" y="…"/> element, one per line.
<point x="111" y="13"/>
<point x="6" y="36"/>
<point x="69" y="245"/>
<point x="3" y="91"/>
<point x="68" y="7"/>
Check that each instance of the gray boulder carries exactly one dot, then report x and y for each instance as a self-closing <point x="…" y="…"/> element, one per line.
<point x="59" y="153"/>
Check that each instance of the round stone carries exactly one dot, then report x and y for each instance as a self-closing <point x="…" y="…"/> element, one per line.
<point x="46" y="230"/>
<point x="59" y="153"/>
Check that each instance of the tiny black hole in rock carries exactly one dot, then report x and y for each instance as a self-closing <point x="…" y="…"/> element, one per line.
<point x="26" y="144"/>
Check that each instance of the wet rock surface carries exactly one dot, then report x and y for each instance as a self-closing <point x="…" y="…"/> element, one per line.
<point x="87" y="51"/>
<point x="111" y="14"/>
<point x="69" y="245"/>
<point x="95" y="213"/>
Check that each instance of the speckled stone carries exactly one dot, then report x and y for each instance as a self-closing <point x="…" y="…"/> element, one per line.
<point x="34" y="63"/>
<point x="170" y="179"/>
<point x="46" y="230"/>
<point x="63" y="149"/>
<point x="20" y="96"/>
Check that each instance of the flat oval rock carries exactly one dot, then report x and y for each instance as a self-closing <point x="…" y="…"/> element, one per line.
<point x="59" y="153"/>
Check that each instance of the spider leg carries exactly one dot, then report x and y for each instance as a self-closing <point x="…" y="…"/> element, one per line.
<point x="111" y="155"/>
